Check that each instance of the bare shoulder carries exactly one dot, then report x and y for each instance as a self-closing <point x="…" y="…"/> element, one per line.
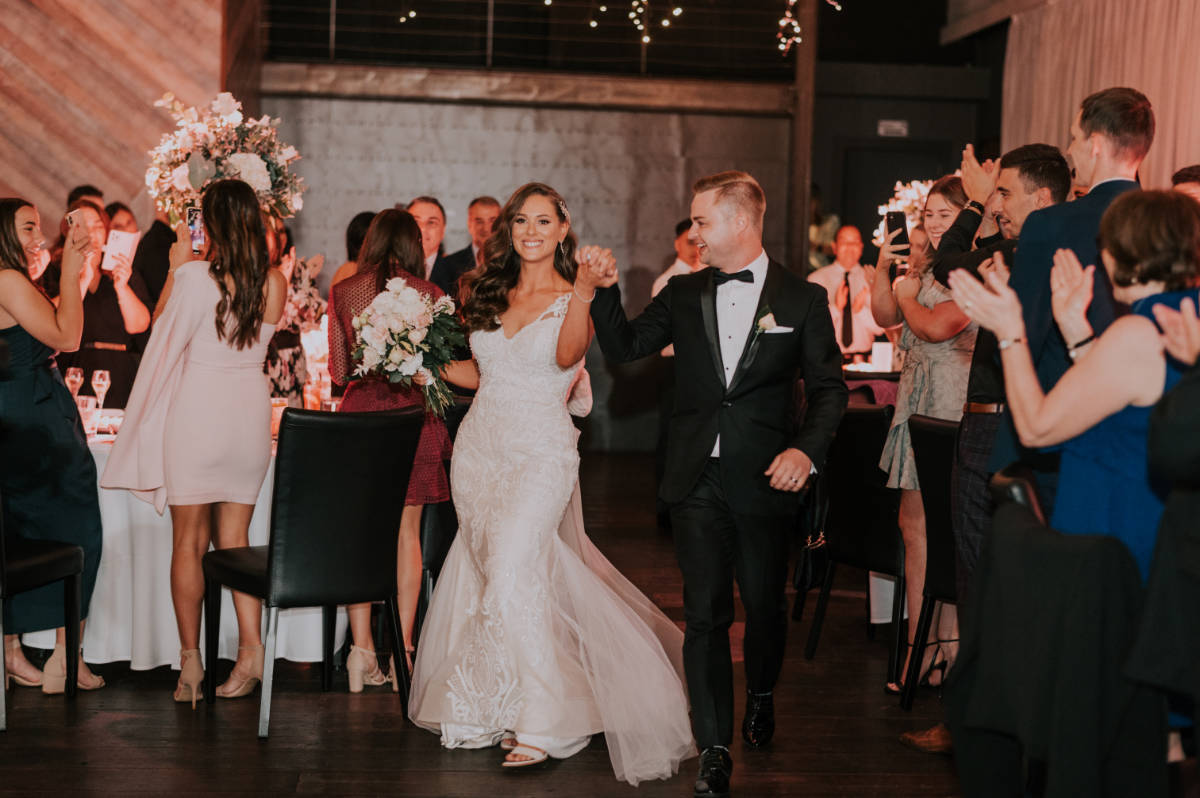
<point x="276" y="290"/>
<point x="1133" y="334"/>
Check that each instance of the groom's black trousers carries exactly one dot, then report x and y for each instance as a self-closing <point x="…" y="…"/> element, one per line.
<point x="714" y="545"/>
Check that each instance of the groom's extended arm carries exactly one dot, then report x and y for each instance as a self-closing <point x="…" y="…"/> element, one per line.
<point x="622" y="339"/>
<point x="824" y="389"/>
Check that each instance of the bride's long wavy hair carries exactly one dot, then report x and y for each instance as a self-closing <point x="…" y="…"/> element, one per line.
<point x="486" y="289"/>
<point x="237" y="249"/>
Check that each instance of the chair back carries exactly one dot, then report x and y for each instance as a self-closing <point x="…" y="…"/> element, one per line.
<point x="340" y="483"/>
<point x="933" y="442"/>
<point x="861" y="523"/>
<point x="1015" y="483"/>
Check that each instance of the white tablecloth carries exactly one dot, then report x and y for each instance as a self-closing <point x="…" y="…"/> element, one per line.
<point x="131" y="616"/>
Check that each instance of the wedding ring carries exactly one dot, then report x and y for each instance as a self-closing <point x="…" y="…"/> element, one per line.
<point x="795" y="479"/>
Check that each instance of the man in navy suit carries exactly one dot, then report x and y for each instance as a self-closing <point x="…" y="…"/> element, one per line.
<point x="1110" y="136"/>
<point x="481" y="218"/>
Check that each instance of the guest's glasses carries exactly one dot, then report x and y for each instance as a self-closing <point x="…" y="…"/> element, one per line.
<point x="101" y="379"/>
<point x="74" y="380"/>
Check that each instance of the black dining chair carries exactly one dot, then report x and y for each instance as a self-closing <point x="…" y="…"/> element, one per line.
<point x="1015" y="483"/>
<point x="933" y="442"/>
<point x="340" y="481"/>
<point x="861" y="519"/>
<point x="26" y="564"/>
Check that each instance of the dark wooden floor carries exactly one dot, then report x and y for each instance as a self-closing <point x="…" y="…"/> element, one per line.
<point x="837" y="731"/>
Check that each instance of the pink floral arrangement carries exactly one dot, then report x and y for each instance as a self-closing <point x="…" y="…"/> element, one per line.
<point x="216" y="143"/>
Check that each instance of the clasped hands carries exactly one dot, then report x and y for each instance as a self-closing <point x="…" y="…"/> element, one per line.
<point x="597" y="269"/>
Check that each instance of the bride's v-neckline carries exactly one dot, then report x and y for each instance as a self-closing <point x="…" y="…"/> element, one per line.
<point x="540" y="317"/>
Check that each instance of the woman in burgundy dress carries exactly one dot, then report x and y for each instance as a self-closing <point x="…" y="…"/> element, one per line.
<point x="392" y="248"/>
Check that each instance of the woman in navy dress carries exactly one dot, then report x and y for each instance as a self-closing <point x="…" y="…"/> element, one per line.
<point x="47" y="475"/>
<point x="1098" y="414"/>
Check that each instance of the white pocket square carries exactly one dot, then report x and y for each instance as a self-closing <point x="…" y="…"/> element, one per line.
<point x="779" y="329"/>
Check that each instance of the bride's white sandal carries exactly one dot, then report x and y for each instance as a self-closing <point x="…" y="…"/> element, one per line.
<point x="536" y="756"/>
<point x="508" y="742"/>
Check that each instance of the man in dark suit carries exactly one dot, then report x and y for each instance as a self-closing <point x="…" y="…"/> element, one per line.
<point x="743" y="330"/>
<point x="1110" y="136"/>
<point x="481" y="219"/>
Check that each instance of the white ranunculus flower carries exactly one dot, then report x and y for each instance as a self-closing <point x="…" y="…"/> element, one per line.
<point x="396" y="284"/>
<point x="250" y="169"/>
<point x="395" y="356"/>
<point x="370" y="359"/>
<point x="373" y="337"/>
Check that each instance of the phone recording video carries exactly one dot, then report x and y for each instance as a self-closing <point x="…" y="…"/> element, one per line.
<point x="195" y="223"/>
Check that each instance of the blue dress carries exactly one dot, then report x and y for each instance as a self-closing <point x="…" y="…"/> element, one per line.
<point x="1105" y="486"/>
<point x="47" y="475"/>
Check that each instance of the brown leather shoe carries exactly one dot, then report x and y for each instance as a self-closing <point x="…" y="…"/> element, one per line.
<point x="935" y="740"/>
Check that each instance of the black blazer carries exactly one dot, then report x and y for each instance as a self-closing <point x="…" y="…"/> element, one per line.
<point x="755" y="414"/>
<point x="447" y="269"/>
<point x="1068" y="225"/>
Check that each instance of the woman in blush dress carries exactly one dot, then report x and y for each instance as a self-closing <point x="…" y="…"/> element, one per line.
<point x="47" y="474"/>
<point x="391" y="248"/>
<point x="938" y="341"/>
<point x="197" y="429"/>
<point x="533" y="641"/>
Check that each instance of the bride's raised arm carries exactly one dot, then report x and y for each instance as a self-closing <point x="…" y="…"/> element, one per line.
<point x="575" y="336"/>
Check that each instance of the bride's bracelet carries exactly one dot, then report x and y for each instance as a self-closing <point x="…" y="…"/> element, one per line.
<point x="575" y="291"/>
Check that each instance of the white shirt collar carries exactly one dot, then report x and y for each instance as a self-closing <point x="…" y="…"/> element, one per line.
<point x="757" y="267"/>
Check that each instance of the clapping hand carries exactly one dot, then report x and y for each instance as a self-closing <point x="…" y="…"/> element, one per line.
<point x="979" y="179"/>
<point x="789" y="471"/>
<point x="1181" y="331"/>
<point x="597" y="268"/>
<point x="1070" y="293"/>
<point x="994" y="305"/>
<point x="995" y="265"/>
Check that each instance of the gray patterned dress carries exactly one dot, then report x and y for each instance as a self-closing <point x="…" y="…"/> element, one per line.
<point x="933" y="382"/>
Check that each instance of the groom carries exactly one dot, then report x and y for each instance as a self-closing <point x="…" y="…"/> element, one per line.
<point x="744" y="331"/>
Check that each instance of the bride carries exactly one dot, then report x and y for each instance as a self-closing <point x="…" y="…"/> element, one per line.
<point x="533" y="640"/>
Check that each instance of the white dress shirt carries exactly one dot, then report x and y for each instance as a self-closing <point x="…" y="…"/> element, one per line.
<point x="832" y="278"/>
<point x="736" y="305"/>
<point x="429" y="261"/>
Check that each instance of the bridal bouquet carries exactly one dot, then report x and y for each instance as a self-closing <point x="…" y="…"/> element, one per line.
<point x="218" y="142"/>
<point x="402" y="334"/>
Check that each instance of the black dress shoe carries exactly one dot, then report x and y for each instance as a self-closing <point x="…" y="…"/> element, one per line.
<point x="758" y="727"/>
<point x="715" y="768"/>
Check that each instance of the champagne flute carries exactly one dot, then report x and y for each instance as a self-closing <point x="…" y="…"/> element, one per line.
<point x="74" y="380"/>
<point x="101" y="379"/>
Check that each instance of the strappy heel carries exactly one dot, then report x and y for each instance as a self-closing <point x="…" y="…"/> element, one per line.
<point x="21" y="681"/>
<point x="54" y="674"/>
<point x="239" y="685"/>
<point x="362" y="666"/>
<point x="191" y="677"/>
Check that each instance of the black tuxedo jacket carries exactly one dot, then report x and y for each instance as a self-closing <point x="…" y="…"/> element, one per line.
<point x="754" y="414"/>
<point x="1068" y="225"/>
<point x="448" y="268"/>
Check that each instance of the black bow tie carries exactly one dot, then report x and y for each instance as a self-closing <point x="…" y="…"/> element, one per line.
<point x="744" y="276"/>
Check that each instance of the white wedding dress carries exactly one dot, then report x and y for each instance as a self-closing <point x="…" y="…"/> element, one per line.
<point x="531" y="630"/>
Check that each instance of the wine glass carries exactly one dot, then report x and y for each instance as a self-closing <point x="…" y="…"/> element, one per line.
<point x="74" y="380"/>
<point x="101" y="379"/>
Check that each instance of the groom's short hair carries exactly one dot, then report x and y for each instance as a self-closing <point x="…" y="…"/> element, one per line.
<point x="738" y="189"/>
<point x="1122" y="115"/>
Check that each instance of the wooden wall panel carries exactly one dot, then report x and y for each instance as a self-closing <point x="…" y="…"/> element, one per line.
<point x="78" y="82"/>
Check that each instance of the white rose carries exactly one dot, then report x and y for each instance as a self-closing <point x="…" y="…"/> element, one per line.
<point x="370" y="359"/>
<point x="416" y="336"/>
<point x="767" y="322"/>
<point x="396" y="284"/>
<point x="250" y="169"/>
<point x="179" y="178"/>
<point x="410" y="366"/>
<point x="395" y="356"/>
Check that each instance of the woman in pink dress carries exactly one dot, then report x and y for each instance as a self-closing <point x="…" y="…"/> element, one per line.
<point x="197" y="429"/>
<point x="392" y="248"/>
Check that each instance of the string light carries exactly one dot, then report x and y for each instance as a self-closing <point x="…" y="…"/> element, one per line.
<point x="789" y="26"/>
<point x="639" y="16"/>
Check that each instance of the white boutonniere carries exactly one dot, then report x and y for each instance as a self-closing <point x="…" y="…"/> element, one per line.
<point x="764" y="322"/>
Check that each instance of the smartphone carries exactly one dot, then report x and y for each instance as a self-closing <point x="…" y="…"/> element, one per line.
<point x="195" y="223"/>
<point x="75" y="218"/>
<point x="119" y="243"/>
<point x="895" y="220"/>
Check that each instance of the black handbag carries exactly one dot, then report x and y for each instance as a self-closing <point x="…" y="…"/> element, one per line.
<point x="814" y="556"/>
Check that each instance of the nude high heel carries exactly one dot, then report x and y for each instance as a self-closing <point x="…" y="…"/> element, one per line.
<point x="191" y="677"/>
<point x="54" y="674"/>
<point x="239" y="685"/>
<point x="362" y="666"/>
<point x="20" y="680"/>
